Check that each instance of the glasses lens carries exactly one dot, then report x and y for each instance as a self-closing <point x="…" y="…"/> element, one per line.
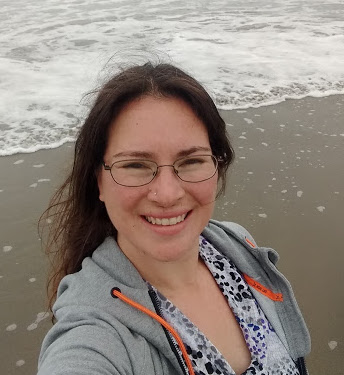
<point x="196" y="168"/>
<point x="133" y="172"/>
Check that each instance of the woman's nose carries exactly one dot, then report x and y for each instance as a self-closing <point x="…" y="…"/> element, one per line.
<point x="166" y="188"/>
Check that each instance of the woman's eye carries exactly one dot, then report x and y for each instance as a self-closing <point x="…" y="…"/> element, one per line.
<point x="135" y="165"/>
<point x="191" y="161"/>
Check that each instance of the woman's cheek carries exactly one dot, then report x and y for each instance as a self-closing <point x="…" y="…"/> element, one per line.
<point x="207" y="194"/>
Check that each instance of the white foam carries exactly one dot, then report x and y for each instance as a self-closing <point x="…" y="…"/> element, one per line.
<point x="40" y="316"/>
<point x="20" y="363"/>
<point x="32" y="326"/>
<point x="52" y="55"/>
<point x="7" y="248"/>
<point x="264" y="216"/>
<point x="38" y="165"/>
<point x="333" y="344"/>
<point x="321" y="208"/>
<point x="248" y="120"/>
<point x="32" y="280"/>
<point x="18" y="162"/>
<point x="11" y="327"/>
<point x="299" y="193"/>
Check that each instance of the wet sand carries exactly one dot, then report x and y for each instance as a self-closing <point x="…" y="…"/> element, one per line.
<point x="286" y="187"/>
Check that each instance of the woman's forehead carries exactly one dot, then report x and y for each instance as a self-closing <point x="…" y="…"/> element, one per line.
<point x="148" y="124"/>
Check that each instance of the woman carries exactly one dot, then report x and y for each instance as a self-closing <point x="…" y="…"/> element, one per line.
<point x="147" y="283"/>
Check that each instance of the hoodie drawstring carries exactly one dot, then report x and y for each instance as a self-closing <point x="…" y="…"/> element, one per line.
<point x="115" y="292"/>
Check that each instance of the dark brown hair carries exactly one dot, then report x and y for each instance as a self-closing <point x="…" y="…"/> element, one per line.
<point x="80" y="221"/>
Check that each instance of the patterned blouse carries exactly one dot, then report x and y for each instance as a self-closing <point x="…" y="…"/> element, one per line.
<point x="268" y="354"/>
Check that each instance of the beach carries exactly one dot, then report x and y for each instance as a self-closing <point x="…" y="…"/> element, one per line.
<point x="286" y="187"/>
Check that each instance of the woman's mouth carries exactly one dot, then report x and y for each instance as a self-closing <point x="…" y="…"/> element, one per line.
<point x="166" y="221"/>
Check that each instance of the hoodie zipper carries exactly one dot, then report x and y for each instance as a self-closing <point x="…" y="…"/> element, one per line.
<point x="174" y="346"/>
<point x="301" y="365"/>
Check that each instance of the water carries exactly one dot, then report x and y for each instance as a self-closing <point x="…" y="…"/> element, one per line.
<point x="247" y="53"/>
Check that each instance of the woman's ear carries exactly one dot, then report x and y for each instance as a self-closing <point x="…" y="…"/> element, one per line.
<point x="219" y="186"/>
<point x="100" y="176"/>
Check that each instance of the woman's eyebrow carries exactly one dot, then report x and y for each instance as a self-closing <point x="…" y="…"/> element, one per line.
<point x="191" y="150"/>
<point x="134" y="154"/>
<point x="147" y="155"/>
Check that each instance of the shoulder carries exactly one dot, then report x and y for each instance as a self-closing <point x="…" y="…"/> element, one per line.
<point x="224" y="229"/>
<point x="93" y="333"/>
<point x="89" y="336"/>
<point x="86" y="338"/>
<point x="82" y="347"/>
<point x="237" y="243"/>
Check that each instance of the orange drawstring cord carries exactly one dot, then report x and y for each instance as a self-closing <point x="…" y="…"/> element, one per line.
<point x="278" y="297"/>
<point x="158" y="318"/>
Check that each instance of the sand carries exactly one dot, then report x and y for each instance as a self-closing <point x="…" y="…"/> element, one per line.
<point x="286" y="187"/>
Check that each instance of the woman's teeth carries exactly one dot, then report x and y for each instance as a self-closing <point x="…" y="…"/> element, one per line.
<point x="169" y="221"/>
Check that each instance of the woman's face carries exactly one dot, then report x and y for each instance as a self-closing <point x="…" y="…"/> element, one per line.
<point x="157" y="129"/>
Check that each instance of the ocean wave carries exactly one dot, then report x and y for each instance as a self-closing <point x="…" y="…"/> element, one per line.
<point x="247" y="54"/>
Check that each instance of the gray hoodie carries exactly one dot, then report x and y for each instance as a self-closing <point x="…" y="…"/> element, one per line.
<point x="96" y="333"/>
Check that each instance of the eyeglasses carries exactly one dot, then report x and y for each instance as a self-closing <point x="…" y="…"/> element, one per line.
<point x="133" y="173"/>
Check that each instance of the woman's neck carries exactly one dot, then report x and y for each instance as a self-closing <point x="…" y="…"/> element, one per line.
<point x="173" y="278"/>
<point x="168" y="276"/>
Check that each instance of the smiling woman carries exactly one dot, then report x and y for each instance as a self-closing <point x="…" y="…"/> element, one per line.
<point x="159" y="195"/>
<point x="144" y="282"/>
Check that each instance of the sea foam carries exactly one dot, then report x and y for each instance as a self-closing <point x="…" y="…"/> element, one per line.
<point x="247" y="54"/>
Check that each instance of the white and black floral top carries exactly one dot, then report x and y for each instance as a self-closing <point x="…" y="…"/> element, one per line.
<point x="268" y="355"/>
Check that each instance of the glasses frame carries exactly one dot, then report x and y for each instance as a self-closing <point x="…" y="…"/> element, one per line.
<point x="216" y="160"/>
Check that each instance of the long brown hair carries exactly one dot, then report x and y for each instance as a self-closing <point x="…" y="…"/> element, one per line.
<point x="79" y="219"/>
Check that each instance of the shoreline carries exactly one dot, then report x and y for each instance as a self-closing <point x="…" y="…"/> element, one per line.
<point x="310" y="96"/>
<point x="285" y="187"/>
